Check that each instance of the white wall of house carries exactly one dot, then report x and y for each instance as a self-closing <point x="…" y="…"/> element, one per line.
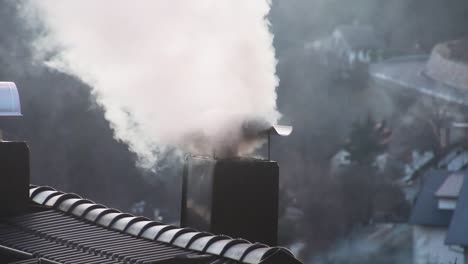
<point x="429" y="247"/>
<point x="447" y="204"/>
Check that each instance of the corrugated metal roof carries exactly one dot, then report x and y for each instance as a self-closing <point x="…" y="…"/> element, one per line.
<point x="425" y="210"/>
<point x="76" y="230"/>
<point x="458" y="230"/>
<point x="451" y="187"/>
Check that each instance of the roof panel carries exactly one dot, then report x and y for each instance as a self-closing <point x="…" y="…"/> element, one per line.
<point x="68" y="204"/>
<point x="202" y="243"/>
<point x="43" y="196"/>
<point x="57" y="199"/>
<point x="170" y="235"/>
<point x="425" y="210"/>
<point x="94" y="214"/>
<point x="82" y="209"/>
<point x="123" y="223"/>
<point x="458" y="230"/>
<point x="238" y="251"/>
<point x="451" y="187"/>
<point x="136" y="228"/>
<point x="256" y="255"/>
<point x="153" y="232"/>
<point x="108" y="219"/>
<point x="185" y="239"/>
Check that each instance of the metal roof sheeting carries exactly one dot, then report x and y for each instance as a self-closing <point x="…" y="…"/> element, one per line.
<point x="80" y="231"/>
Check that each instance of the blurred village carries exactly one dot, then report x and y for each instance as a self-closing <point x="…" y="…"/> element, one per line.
<point x="402" y="177"/>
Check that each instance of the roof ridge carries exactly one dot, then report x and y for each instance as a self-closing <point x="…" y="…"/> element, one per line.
<point x="142" y="227"/>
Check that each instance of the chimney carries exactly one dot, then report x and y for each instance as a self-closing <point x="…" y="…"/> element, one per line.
<point x="14" y="158"/>
<point x="237" y="197"/>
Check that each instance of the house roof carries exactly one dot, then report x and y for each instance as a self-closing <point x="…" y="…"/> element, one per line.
<point x="65" y="228"/>
<point x="436" y="75"/>
<point x="425" y="210"/>
<point x="444" y="159"/>
<point x="451" y="187"/>
<point x="458" y="231"/>
<point x="408" y="73"/>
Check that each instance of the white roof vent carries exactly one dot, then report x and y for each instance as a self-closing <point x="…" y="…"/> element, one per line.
<point x="9" y="100"/>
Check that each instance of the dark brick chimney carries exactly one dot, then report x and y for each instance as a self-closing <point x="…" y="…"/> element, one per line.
<point x="14" y="175"/>
<point x="237" y="197"/>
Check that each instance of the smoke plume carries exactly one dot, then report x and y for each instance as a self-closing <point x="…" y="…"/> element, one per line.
<point x="179" y="73"/>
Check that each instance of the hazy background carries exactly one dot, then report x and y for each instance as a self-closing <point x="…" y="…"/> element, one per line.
<point x="73" y="149"/>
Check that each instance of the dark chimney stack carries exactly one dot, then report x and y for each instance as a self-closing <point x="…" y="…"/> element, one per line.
<point x="237" y="197"/>
<point x="14" y="158"/>
<point x="14" y="172"/>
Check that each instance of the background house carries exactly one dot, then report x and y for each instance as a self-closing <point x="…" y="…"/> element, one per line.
<point x="458" y="233"/>
<point x="431" y="224"/>
<point x="440" y="75"/>
<point x="349" y="50"/>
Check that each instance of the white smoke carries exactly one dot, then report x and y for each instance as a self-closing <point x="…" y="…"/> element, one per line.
<point x="179" y="73"/>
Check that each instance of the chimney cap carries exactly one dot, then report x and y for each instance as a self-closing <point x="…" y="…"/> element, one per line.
<point x="9" y="100"/>
<point x="280" y="130"/>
